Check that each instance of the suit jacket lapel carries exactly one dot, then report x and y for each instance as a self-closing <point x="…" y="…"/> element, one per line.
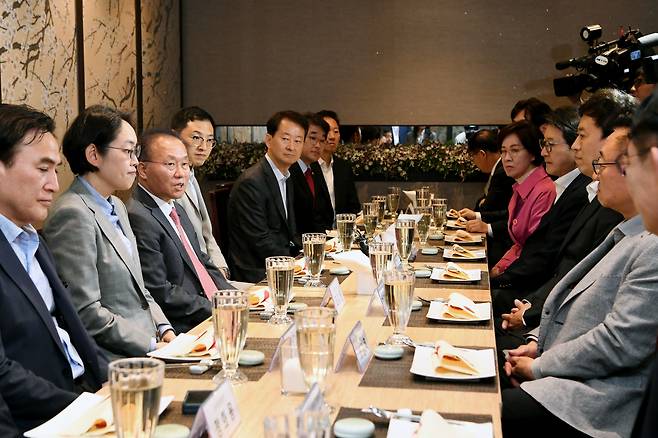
<point x="14" y="269"/>
<point x="273" y="185"/>
<point x="193" y="194"/>
<point x="581" y="219"/>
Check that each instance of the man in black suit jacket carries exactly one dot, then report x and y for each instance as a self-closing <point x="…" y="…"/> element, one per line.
<point x="261" y="216"/>
<point x="313" y="211"/>
<point x="336" y="171"/>
<point x="8" y="428"/>
<point x="46" y="356"/>
<point x="180" y="277"/>
<point x="490" y="214"/>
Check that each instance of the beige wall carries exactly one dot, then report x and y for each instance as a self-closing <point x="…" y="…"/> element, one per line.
<point x="39" y="58"/>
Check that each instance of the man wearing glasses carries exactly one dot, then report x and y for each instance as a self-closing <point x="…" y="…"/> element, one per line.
<point x="197" y="130"/>
<point x="178" y="274"/>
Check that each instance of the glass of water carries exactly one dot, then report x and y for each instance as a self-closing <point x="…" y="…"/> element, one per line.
<point x="370" y="218"/>
<point x="393" y="200"/>
<point x="423" y="225"/>
<point x="381" y="254"/>
<point x="405" y="231"/>
<point x="135" y="388"/>
<point x="314" y="256"/>
<point x="316" y="331"/>
<point x="399" y="294"/>
<point x="230" y="316"/>
<point x="345" y="224"/>
<point x="280" y="273"/>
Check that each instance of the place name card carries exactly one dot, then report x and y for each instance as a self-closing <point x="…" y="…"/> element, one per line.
<point x="290" y="333"/>
<point x="313" y="402"/>
<point x="219" y="415"/>
<point x="335" y="292"/>
<point x="378" y="296"/>
<point x="359" y="343"/>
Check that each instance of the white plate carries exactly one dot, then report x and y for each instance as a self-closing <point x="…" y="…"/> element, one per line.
<point x="399" y="427"/>
<point x="450" y="238"/>
<point x="455" y="225"/>
<point x="480" y="254"/>
<point x="483" y="360"/>
<point x="437" y="308"/>
<point x="473" y="275"/>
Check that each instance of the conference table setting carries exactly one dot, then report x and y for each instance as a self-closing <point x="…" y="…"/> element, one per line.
<point x="395" y="343"/>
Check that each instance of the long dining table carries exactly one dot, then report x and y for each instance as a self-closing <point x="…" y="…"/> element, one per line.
<point x="386" y="384"/>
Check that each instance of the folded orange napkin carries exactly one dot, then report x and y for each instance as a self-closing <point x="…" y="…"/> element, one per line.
<point x="447" y="359"/>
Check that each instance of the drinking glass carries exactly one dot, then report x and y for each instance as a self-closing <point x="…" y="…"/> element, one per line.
<point x="345" y="224"/>
<point x="292" y="377"/>
<point x="135" y="388"/>
<point x="230" y="316"/>
<point x="381" y="253"/>
<point x="276" y="426"/>
<point x="423" y="192"/>
<point x="314" y="254"/>
<point x="315" y="423"/>
<point x="370" y="218"/>
<point x="405" y="231"/>
<point x="399" y="294"/>
<point x="280" y="274"/>
<point x="393" y="200"/>
<point x="381" y="201"/>
<point x="423" y="225"/>
<point x="316" y="331"/>
<point x="439" y="212"/>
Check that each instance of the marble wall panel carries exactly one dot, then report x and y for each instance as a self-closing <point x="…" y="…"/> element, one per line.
<point x="109" y="53"/>
<point x="160" y="61"/>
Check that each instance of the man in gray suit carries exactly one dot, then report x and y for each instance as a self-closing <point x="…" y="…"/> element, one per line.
<point x="197" y="130"/>
<point x="92" y="242"/>
<point x="180" y="276"/>
<point x="586" y="372"/>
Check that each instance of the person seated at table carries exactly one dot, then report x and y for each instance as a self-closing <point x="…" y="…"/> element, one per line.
<point x="534" y="191"/>
<point x="490" y="214"/>
<point x="641" y="166"/>
<point x="585" y="373"/>
<point x="197" y="130"/>
<point x="337" y="172"/>
<point x="313" y="212"/>
<point x="46" y="355"/>
<point x="92" y="242"/>
<point x="533" y="110"/>
<point x="538" y="256"/>
<point x="180" y="276"/>
<point x="261" y="215"/>
<point x="599" y="116"/>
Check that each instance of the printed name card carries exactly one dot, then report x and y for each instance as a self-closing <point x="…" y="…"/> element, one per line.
<point x="335" y="292"/>
<point x="218" y="415"/>
<point x="313" y="402"/>
<point x="378" y="295"/>
<point x="290" y="333"/>
<point x="359" y="343"/>
<point x="397" y="261"/>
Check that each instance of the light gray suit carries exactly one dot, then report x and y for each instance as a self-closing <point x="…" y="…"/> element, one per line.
<point x="597" y="339"/>
<point x="104" y="279"/>
<point x="193" y="204"/>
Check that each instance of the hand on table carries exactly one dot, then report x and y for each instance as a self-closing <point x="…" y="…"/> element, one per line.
<point x="168" y="336"/>
<point x="495" y="272"/>
<point x="514" y="319"/>
<point x="476" y="226"/>
<point x="467" y="213"/>
<point x="518" y="366"/>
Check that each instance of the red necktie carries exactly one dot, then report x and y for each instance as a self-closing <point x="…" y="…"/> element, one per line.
<point x="309" y="179"/>
<point x="206" y="280"/>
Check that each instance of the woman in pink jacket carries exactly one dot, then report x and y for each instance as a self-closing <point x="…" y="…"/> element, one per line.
<point x="534" y="191"/>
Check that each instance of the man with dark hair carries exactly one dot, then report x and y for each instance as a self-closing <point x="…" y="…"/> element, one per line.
<point x="46" y="355"/>
<point x="533" y="110"/>
<point x="178" y="274"/>
<point x="337" y="172"/>
<point x="197" y="130"/>
<point x="261" y="215"/>
<point x="313" y="212"/>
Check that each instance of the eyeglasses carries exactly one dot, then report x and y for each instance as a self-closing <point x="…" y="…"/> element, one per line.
<point x="549" y="145"/>
<point x="132" y="153"/>
<point x="198" y="141"/>
<point x="514" y="150"/>
<point x="620" y="163"/>
<point x="171" y="166"/>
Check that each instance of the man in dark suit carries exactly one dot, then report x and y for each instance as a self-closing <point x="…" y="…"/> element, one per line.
<point x="8" y="428"/>
<point x="313" y="211"/>
<point x="46" y="356"/>
<point x="180" y="277"/>
<point x="490" y="213"/>
<point x="261" y="215"/>
<point x="338" y="172"/>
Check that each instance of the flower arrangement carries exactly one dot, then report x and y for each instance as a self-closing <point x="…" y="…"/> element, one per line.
<point x="412" y="162"/>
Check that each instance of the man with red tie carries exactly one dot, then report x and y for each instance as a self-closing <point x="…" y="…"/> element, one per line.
<point x="178" y="274"/>
<point x="313" y="210"/>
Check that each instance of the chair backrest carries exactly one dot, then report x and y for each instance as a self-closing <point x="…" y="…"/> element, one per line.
<point x="219" y="212"/>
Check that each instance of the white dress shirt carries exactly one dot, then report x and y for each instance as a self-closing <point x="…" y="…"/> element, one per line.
<point x="328" y="172"/>
<point x="563" y="182"/>
<point x="281" y="179"/>
<point x="592" y="189"/>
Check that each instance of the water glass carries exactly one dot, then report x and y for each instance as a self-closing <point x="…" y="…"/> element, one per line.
<point x="292" y="376"/>
<point x="381" y="201"/>
<point x="345" y="224"/>
<point x="313" y="244"/>
<point x="276" y="426"/>
<point x="230" y="316"/>
<point x="316" y="331"/>
<point x="405" y="231"/>
<point x="439" y="213"/>
<point x="381" y="254"/>
<point x="135" y="388"/>
<point x="393" y="200"/>
<point x="423" y="225"/>
<point x="370" y="218"/>
<point x="280" y="273"/>
<point x="399" y="294"/>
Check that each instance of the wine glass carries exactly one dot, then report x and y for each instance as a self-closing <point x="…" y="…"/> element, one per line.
<point x="399" y="294"/>
<point x="314" y="254"/>
<point x="316" y="331"/>
<point x="280" y="274"/>
<point x="345" y="224"/>
<point x="439" y="212"/>
<point x="230" y="316"/>
<point x="381" y="254"/>
<point x="393" y="200"/>
<point x="135" y="388"/>
<point x="405" y="231"/>
<point x="370" y="218"/>
<point x="423" y="226"/>
<point x="381" y="202"/>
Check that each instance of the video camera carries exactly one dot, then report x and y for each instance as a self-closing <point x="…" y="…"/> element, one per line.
<point x="612" y="64"/>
